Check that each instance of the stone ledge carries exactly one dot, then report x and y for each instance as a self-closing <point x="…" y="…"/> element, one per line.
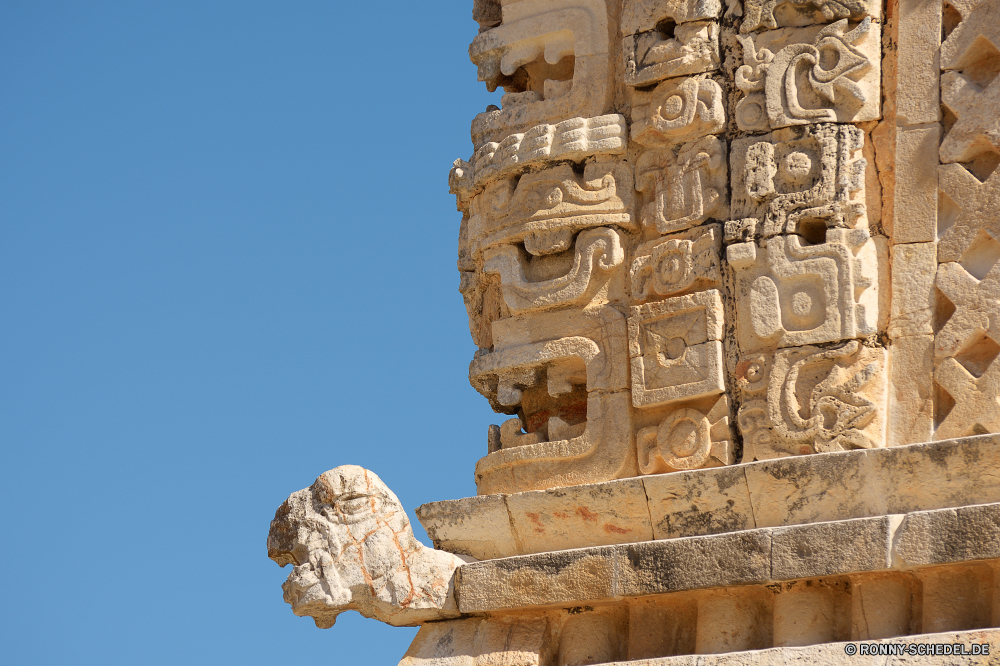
<point x="773" y="493"/>
<point x="833" y="654"/>
<point x="608" y="573"/>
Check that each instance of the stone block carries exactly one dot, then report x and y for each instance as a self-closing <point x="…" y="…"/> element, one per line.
<point x="914" y="267"/>
<point x="882" y="605"/>
<point x="912" y="67"/>
<point x="711" y="501"/>
<point x="677" y="110"/>
<point x="592" y="515"/>
<point x="734" y="620"/>
<point x="687" y="438"/>
<point x="644" y="15"/>
<point x="691" y="48"/>
<point x="476" y="526"/>
<point x="810" y="612"/>
<point x="957" y="598"/>
<point x="677" y="264"/>
<point x="850" y="88"/>
<point x="969" y="213"/>
<point x="946" y="536"/>
<point x="663" y="626"/>
<point x="762" y="14"/>
<point x="826" y="549"/>
<point x="683" y="185"/>
<point x="910" y="412"/>
<point x="914" y="198"/>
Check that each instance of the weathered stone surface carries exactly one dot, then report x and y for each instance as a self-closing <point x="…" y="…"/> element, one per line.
<point x="711" y="501"/>
<point x="947" y="536"/>
<point x="969" y="215"/>
<point x="599" y="514"/>
<point x="910" y="207"/>
<point x="476" y="526"/>
<point x="682" y="186"/>
<point x="760" y="14"/>
<point x="498" y="641"/>
<point x="841" y="89"/>
<point x="352" y="548"/>
<point x="914" y="266"/>
<point x="651" y="56"/>
<point x="687" y="438"/>
<point x="827" y="549"/>
<point x="912" y="67"/>
<point x="910" y="411"/>
<point x="677" y="110"/>
<point x="677" y="264"/>
<point x="643" y="15"/>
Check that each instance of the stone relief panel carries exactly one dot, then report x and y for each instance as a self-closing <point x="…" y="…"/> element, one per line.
<point x="800" y="180"/>
<point x="676" y="111"/>
<point x="688" y="48"/>
<point x="968" y="208"/>
<point x="675" y="349"/>
<point x="683" y="186"/>
<point x="770" y="14"/>
<point x="551" y="59"/>
<point x="790" y="292"/>
<point x="565" y="376"/>
<point x="642" y="15"/>
<point x="686" y="439"/>
<point x="806" y="400"/>
<point x="818" y="74"/>
<point x="676" y="264"/>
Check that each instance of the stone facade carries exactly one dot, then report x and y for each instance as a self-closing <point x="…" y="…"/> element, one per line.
<point x="733" y="271"/>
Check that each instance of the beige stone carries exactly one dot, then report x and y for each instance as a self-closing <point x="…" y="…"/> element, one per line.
<point x="601" y="514"/>
<point x="811" y="612"/>
<point x="790" y="292"/>
<point x="969" y="215"/>
<point x="677" y="264"/>
<point x="711" y="501"/>
<point x="660" y="626"/>
<point x="911" y="68"/>
<point x="913" y="218"/>
<point x="914" y="266"/>
<point x="683" y="186"/>
<point x="498" y="641"/>
<point x="589" y="638"/>
<point x="652" y="56"/>
<point x="827" y="549"/>
<point x="352" y="548"/>
<point x="800" y="180"/>
<point x="677" y="110"/>
<point x="882" y="605"/>
<point x="910" y="411"/>
<point x="675" y="350"/>
<point x="758" y="14"/>
<point x="947" y="536"/>
<point x="543" y="210"/>
<point x="644" y="15"/>
<point x="973" y="287"/>
<point x="849" y="91"/>
<point x="957" y="598"/>
<point x="551" y="57"/>
<point x="596" y="253"/>
<point x="734" y="620"/>
<point x="687" y="438"/>
<point x="478" y="527"/>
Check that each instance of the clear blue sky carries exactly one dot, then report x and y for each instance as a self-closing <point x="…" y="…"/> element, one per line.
<point x="227" y="264"/>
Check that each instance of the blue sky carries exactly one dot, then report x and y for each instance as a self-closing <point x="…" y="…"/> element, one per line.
<point x="227" y="264"/>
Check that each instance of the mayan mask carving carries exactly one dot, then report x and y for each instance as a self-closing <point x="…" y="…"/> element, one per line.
<point x="652" y="56"/>
<point x="811" y="400"/>
<point x="798" y="76"/>
<point x="687" y="439"/>
<point x="759" y="14"/>
<point x="676" y="111"/>
<point x="676" y="264"/>
<point x="685" y="185"/>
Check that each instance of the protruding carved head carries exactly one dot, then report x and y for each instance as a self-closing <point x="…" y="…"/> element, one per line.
<point x="352" y="548"/>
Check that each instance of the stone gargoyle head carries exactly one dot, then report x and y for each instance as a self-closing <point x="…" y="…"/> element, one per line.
<point x="352" y="548"/>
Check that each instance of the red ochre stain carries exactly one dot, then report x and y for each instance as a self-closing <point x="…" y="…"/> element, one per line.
<point x="614" y="529"/>
<point x="533" y="517"/>
<point x="741" y="369"/>
<point x="585" y="513"/>
<point x="560" y="514"/>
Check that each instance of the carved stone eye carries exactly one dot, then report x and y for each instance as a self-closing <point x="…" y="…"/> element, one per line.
<point x="797" y="164"/>
<point x="672" y="107"/>
<point x="755" y="372"/>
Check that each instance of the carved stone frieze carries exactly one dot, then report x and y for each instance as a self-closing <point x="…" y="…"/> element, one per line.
<point x="642" y="15"/>
<point x="762" y="14"/>
<point x="968" y="213"/>
<point x="573" y="139"/>
<point x="676" y="111"/>
<point x="675" y="349"/>
<point x="544" y="209"/>
<point x="676" y="264"/>
<point x="652" y="56"/>
<point x="790" y="292"/>
<point x="819" y="74"/>
<point x="806" y="400"/>
<point x="551" y="57"/>
<point x="976" y="301"/>
<point x="976" y="408"/>
<point x="687" y="439"/>
<point x="800" y="180"/>
<point x="596" y="253"/>
<point x="565" y="374"/>
<point x="684" y="185"/>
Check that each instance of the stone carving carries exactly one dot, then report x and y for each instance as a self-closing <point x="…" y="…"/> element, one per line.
<point x="676" y="111"/>
<point x="970" y="89"/>
<point x="676" y="264"/>
<point x="811" y="400"/>
<point x="544" y="209"/>
<point x="558" y="371"/>
<point x="976" y="410"/>
<point x="969" y="208"/>
<point x="572" y="139"/>
<point x="687" y="439"/>
<point x="675" y="349"/>
<point x="800" y="180"/>
<point x="551" y="58"/>
<point x="759" y="14"/>
<point x="652" y="56"/>
<point x="352" y="548"/>
<point x="791" y="293"/>
<point x="799" y="76"/>
<point x="976" y="301"/>
<point x="597" y="252"/>
<point x="686" y="184"/>
<point x="643" y="15"/>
